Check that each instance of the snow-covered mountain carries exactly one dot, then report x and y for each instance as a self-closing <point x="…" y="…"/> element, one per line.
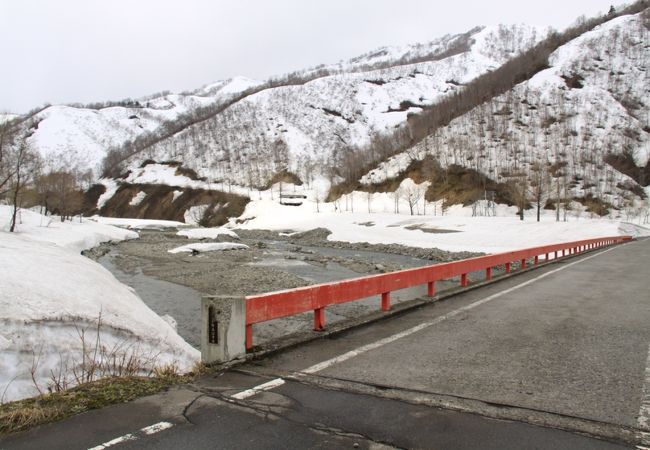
<point x="303" y="127"/>
<point x="315" y="112"/>
<point x="72" y="136"/>
<point x="589" y="107"/>
<point x="581" y="116"/>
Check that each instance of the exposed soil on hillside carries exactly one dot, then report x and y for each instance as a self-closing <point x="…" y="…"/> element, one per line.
<point x="171" y="203"/>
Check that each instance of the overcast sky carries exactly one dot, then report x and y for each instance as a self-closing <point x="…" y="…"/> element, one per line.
<point x="91" y="50"/>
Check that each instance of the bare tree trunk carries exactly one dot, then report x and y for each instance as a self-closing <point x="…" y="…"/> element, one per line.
<point x="557" y="200"/>
<point x="16" y="191"/>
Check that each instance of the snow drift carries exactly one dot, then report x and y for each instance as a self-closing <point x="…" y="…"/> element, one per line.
<point x="51" y="299"/>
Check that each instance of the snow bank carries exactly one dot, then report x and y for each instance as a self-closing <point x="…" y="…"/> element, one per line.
<point x="207" y="233"/>
<point x="137" y="224"/>
<point x="208" y="247"/>
<point x="75" y="235"/>
<point x="457" y="230"/>
<point x="50" y="295"/>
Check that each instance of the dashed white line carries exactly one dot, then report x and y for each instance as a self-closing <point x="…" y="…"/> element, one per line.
<point x="262" y="387"/>
<point x="387" y="340"/>
<point x="156" y="427"/>
<point x="151" y="429"/>
<point x="112" y="442"/>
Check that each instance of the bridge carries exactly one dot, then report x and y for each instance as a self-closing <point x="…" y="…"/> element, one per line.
<point x="553" y="357"/>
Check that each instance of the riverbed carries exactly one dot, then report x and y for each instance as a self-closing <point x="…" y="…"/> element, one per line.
<point x="172" y="284"/>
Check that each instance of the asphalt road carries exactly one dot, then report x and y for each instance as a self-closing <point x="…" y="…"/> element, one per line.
<point x="553" y="358"/>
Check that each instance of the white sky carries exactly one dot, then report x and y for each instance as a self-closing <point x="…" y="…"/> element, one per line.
<point x="91" y="50"/>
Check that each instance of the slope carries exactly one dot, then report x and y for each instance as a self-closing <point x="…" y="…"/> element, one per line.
<point x="305" y="125"/>
<point x="562" y="131"/>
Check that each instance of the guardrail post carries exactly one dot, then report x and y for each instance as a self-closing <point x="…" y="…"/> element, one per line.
<point x="249" y="336"/>
<point x="385" y="301"/>
<point x="508" y="267"/>
<point x="488" y="273"/>
<point x="223" y="331"/>
<point x="431" y="288"/>
<point x="523" y="263"/>
<point x="536" y="260"/>
<point x="319" y="319"/>
<point x="463" y="280"/>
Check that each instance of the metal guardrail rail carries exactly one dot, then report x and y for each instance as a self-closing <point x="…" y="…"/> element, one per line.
<point x="274" y="305"/>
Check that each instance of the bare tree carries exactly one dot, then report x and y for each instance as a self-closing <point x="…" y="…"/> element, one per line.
<point x="25" y="165"/>
<point x="412" y="193"/>
<point x="518" y="187"/>
<point x="60" y="193"/>
<point x="539" y="181"/>
<point x="7" y="137"/>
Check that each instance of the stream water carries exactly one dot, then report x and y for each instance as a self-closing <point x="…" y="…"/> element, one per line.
<point x="164" y="298"/>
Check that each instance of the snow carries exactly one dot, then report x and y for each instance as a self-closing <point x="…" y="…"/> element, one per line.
<point x="138" y="198"/>
<point x="550" y="122"/>
<point x="49" y="293"/>
<point x="73" y="235"/>
<point x="342" y="110"/>
<point x="459" y="230"/>
<point x="193" y="214"/>
<point x="160" y="174"/>
<point x="232" y="86"/>
<point x="69" y="136"/>
<point x="207" y="233"/>
<point x="111" y="188"/>
<point x="208" y="247"/>
<point x="6" y="117"/>
<point x="137" y="224"/>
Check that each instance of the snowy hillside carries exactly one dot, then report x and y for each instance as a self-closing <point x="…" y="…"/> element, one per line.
<point x="6" y="117"/>
<point x="68" y="136"/>
<point x="591" y="102"/>
<point x="303" y="126"/>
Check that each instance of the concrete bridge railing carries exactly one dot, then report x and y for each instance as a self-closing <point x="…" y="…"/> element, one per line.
<point x="227" y="322"/>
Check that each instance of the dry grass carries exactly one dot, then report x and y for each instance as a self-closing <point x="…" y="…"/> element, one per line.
<point x="101" y="375"/>
<point x="24" y="414"/>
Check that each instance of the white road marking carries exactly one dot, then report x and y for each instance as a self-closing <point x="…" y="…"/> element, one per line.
<point x="151" y="429"/>
<point x="156" y="427"/>
<point x="644" y="411"/>
<point x="387" y="340"/>
<point x="262" y="387"/>
<point x="118" y="440"/>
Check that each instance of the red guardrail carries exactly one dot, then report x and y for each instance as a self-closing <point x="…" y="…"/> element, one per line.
<point x="274" y="305"/>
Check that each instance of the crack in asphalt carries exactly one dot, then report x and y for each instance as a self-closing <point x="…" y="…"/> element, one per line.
<point x="188" y="406"/>
<point x="450" y="402"/>
<point x="266" y="411"/>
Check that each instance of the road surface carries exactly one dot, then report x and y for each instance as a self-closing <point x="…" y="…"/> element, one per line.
<point x="553" y="358"/>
